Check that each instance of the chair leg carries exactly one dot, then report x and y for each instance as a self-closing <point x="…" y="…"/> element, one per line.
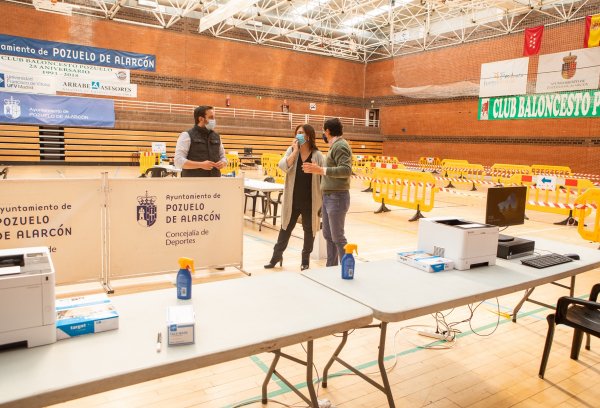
<point x="548" y="345"/>
<point x="254" y="206"/>
<point x="275" y="213"/>
<point x="576" y="346"/>
<point x="588" y="342"/>
<point x="245" y="204"/>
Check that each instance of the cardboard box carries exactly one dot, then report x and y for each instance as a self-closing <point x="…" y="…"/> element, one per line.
<point x="181" y="325"/>
<point x="425" y="262"/>
<point x="85" y="315"/>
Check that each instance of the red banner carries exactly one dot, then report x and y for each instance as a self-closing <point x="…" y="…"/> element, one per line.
<point x="533" y="40"/>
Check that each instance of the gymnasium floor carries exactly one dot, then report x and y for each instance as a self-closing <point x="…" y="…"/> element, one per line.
<point x="482" y="370"/>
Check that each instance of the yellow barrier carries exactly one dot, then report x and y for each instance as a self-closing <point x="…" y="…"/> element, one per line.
<point x="147" y="161"/>
<point x="467" y="173"/>
<point x="589" y="199"/>
<point x="447" y="162"/>
<point x="501" y="173"/>
<point x="360" y="161"/>
<point x="369" y="169"/>
<point x="406" y="189"/>
<point x="233" y="165"/>
<point x="270" y="163"/>
<point x="560" y="200"/>
<point x="558" y="171"/>
<point x="386" y="159"/>
<point x="430" y="163"/>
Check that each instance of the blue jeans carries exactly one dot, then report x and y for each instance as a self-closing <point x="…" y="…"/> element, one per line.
<point x="335" y="208"/>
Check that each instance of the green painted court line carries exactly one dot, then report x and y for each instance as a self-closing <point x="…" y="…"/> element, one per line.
<point x="284" y="389"/>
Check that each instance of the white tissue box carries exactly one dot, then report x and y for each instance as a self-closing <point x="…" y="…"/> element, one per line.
<point x="181" y="325"/>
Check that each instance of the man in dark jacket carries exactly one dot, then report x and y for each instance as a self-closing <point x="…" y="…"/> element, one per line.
<point x="199" y="150"/>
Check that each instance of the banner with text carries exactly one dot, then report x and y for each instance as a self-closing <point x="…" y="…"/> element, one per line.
<point x="502" y="78"/>
<point x="36" y="66"/>
<point x="56" y="110"/>
<point x="39" y="84"/>
<point x="63" y="215"/>
<point x="91" y="87"/>
<point x="568" y="71"/>
<point x="580" y="104"/>
<point x="154" y="222"/>
<point x="82" y="54"/>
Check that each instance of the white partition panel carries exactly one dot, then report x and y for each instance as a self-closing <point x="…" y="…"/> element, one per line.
<point x="64" y="215"/>
<point x="153" y="222"/>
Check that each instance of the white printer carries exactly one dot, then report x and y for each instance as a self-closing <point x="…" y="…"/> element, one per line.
<point x="27" y="301"/>
<point x="467" y="243"/>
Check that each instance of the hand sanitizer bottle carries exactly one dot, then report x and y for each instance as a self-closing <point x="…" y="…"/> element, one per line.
<point x="348" y="261"/>
<point x="184" y="278"/>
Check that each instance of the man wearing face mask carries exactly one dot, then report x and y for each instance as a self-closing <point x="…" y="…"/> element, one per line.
<point x="335" y="185"/>
<point x="199" y="151"/>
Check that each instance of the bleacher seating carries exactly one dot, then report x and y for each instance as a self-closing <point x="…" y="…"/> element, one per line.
<point x="22" y="143"/>
<point x="19" y="143"/>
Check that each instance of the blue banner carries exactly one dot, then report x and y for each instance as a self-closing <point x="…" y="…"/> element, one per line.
<point x="82" y="54"/>
<point x="56" y="110"/>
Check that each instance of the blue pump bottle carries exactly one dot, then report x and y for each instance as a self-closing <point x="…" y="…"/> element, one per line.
<point x="348" y="262"/>
<point x="184" y="278"/>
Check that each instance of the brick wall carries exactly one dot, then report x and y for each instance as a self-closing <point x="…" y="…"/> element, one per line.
<point x="450" y="128"/>
<point x="195" y="69"/>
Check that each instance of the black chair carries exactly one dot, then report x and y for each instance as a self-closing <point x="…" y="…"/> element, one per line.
<point x="581" y="315"/>
<point x="254" y="195"/>
<point x="275" y="203"/>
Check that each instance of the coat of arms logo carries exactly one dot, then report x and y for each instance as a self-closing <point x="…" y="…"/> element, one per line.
<point x="569" y="67"/>
<point x="146" y="211"/>
<point x="12" y="109"/>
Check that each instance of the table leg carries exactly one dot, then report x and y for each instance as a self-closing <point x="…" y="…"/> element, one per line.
<point x="332" y="359"/>
<point x="528" y="293"/>
<point x="268" y="377"/>
<point x="313" y="401"/>
<point x="572" y="288"/>
<point x="385" y="388"/>
<point x="386" y="383"/>
<point x="309" y="379"/>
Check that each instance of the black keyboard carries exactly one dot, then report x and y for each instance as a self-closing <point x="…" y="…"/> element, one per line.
<point x="545" y="261"/>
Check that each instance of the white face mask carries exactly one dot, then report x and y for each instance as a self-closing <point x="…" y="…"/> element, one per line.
<point x="211" y="124"/>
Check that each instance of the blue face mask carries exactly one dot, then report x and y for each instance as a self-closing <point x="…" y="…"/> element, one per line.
<point x="301" y="139"/>
<point x="211" y="124"/>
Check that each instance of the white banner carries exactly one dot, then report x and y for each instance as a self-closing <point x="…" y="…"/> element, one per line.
<point x="64" y="215"/>
<point x="154" y="222"/>
<point x="503" y="78"/>
<point x="569" y="71"/>
<point x="62" y="69"/>
<point x="39" y="84"/>
<point x="94" y="87"/>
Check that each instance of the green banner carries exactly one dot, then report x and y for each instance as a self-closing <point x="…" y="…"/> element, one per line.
<point x="579" y="104"/>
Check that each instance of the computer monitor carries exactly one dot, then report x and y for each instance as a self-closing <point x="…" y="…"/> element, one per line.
<point x="247" y="151"/>
<point x="506" y="206"/>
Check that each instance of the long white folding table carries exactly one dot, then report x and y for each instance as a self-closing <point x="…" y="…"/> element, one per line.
<point x="234" y="319"/>
<point x="267" y="189"/>
<point x="397" y="292"/>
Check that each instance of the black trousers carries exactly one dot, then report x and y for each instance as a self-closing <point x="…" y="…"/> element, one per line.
<point x="285" y="234"/>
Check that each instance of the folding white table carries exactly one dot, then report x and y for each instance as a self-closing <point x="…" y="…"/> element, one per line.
<point x="234" y="319"/>
<point x="397" y="292"/>
<point x="267" y="188"/>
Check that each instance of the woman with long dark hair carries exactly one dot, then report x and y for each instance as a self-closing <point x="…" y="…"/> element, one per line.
<point x="301" y="194"/>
